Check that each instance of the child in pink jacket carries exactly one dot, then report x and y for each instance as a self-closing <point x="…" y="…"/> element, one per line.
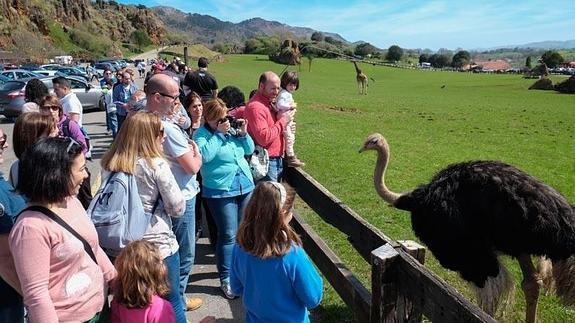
<point x="140" y="285"/>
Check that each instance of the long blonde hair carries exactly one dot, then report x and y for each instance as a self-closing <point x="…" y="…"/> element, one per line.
<point x="264" y="232"/>
<point x="138" y="138"/>
<point x="141" y="275"/>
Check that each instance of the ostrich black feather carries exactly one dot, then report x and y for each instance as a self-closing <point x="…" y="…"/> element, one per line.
<point x="469" y="212"/>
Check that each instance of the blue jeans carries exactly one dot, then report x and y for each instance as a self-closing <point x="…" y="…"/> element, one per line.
<point x="228" y="213"/>
<point x="11" y="306"/>
<point x="185" y="230"/>
<point x="276" y="170"/>
<point x="174" y="297"/>
<point x="112" y="122"/>
<point x="121" y="119"/>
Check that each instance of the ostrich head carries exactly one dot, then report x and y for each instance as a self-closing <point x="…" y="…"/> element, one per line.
<point x="378" y="143"/>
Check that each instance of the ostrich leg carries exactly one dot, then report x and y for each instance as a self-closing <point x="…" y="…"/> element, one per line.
<point x="530" y="287"/>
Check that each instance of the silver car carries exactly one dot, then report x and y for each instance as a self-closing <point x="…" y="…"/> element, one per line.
<point x="12" y="95"/>
<point x="19" y="74"/>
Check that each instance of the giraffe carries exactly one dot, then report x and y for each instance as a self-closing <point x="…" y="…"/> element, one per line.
<point x="361" y="79"/>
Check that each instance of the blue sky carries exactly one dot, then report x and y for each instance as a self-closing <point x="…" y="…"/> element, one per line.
<point x="410" y="24"/>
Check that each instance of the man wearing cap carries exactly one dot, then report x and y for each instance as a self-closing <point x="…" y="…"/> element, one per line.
<point x="201" y="81"/>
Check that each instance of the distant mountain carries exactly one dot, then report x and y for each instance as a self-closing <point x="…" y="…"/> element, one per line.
<point x="547" y="44"/>
<point x="209" y="30"/>
<point x="551" y="44"/>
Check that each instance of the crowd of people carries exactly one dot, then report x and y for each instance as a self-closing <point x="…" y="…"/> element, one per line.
<point x="188" y="146"/>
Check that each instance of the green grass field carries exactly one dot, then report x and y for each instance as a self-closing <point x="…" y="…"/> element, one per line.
<point x="431" y="119"/>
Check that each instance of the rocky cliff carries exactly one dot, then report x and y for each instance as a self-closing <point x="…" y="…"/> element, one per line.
<point x="37" y="28"/>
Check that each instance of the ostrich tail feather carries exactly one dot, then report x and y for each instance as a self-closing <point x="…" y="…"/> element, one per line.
<point x="497" y="293"/>
<point x="564" y="275"/>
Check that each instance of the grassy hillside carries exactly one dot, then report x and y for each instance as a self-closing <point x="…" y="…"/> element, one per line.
<point x="431" y="119"/>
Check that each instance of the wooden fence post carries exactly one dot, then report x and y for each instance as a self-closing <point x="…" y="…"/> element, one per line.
<point x="384" y="284"/>
<point x="412" y="308"/>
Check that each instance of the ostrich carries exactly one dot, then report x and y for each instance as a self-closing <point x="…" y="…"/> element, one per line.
<point x="472" y="211"/>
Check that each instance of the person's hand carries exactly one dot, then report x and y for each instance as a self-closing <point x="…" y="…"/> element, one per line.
<point x="243" y="130"/>
<point x="292" y="126"/>
<point x="224" y="127"/>
<point x="194" y="147"/>
<point x="287" y="115"/>
<point x="181" y="120"/>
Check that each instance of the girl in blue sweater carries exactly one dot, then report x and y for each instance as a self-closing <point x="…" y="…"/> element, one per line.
<point x="270" y="270"/>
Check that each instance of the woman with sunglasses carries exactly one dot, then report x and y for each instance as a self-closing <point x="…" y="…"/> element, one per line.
<point x="63" y="273"/>
<point x="227" y="180"/>
<point x="66" y="126"/>
<point x="137" y="150"/>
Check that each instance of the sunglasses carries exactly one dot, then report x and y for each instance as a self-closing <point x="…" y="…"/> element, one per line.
<point x="222" y="120"/>
<point x="3" y="140"/>
<point x="173" y="97"/>
<point x="51" y="107"/>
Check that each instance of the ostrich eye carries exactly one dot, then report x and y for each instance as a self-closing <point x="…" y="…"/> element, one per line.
<point x="373" y="141"/>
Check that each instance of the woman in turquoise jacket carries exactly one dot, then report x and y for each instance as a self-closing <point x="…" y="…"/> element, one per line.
<point x="227" y="179"/>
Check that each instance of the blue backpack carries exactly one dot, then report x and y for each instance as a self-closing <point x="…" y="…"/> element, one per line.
<point x="118" y="214"/>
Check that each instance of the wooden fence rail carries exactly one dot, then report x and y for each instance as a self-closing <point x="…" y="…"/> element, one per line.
<point x="403" y="290"/>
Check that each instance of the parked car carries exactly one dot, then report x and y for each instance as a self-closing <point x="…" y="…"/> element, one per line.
<point x="116" y="66"/>
<point x="19" y="74"/>
<point x="12" y="95"/>
<point x="73" y="71"/>
<point x="52" y="67"/>
<point x="49" y="73"/>
<point x="10" y="66"/>
<point x="3" y="79"/>
<point x="30" y="67"/>
<point x="122" y="63"/>
<point x="100" y="67"/>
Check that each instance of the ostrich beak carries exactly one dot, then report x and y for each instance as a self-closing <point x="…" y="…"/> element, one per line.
<point x="362" y="149"/>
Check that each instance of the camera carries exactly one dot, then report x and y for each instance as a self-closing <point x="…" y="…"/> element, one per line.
<point x="235" y="125"/>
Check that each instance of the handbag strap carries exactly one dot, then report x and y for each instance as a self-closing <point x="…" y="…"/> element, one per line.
<point x="49" y="213"/>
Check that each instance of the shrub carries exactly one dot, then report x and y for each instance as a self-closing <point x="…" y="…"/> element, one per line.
<point x="567" y="86"/>
<point x="542" y="84"/>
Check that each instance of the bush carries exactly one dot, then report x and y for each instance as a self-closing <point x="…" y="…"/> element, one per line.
<point x="567" y="86"/>
<point x="542" y="84"/>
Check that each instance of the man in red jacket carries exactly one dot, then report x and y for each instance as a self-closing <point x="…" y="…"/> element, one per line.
<point x="266" y="125"/>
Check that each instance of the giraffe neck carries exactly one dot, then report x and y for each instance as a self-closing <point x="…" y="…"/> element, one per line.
<point x="357" y="70"/>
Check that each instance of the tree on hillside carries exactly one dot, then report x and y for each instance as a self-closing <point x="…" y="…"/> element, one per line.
<point x="262" y="45"/>
<point x="423" y="58"/>
<point x="140" y="38"/>
<point x="394" y="53"/>
<point x="460" y="59"/>
<point x="552" y="58"/>
<point x="332" y="41"/>
<point x="365" y="49"/>
<point x="528" y="62"/>
<point x="439" y="60"/>
<point x="317" y="36"/>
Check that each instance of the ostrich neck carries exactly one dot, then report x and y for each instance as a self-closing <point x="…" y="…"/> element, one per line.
<point x="379" y="177"/>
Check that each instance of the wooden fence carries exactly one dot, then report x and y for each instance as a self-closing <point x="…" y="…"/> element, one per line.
<point x="403" y="290"/>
